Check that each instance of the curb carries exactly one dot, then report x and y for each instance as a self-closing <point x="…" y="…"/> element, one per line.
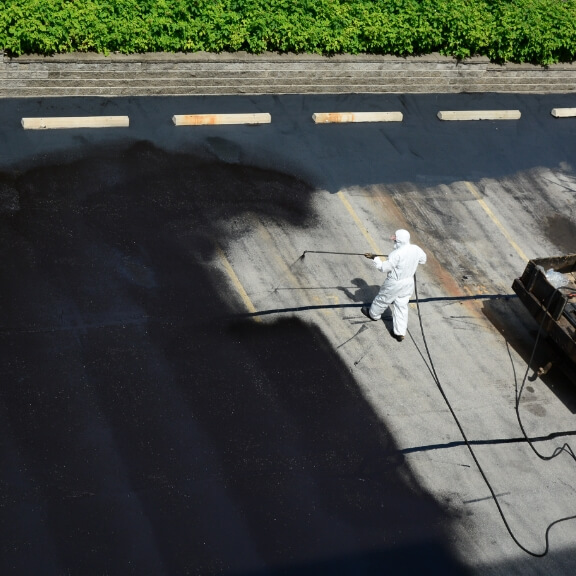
<point x="166" y="74"/>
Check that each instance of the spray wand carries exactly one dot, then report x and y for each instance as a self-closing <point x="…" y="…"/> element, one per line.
<point x="366" y="254"/>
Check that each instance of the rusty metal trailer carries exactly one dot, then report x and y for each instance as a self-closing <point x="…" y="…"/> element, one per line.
<point x="553" y="308"/>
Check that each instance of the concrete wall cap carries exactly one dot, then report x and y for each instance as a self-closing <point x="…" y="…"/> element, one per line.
<point x="82" y="57"/>
<point x="275" y="57"/>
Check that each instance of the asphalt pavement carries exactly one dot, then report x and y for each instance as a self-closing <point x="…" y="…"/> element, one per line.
<point x="189" y="387"/>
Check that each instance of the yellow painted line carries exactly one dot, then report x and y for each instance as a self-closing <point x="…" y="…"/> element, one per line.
<point x="268" y="240"/>
<point x="499" y="225"/>
<point x="359" y="223"/>
<point x="237" y="284"/>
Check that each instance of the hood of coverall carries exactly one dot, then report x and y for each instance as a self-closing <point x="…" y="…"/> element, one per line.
<point x="402" y="238"/>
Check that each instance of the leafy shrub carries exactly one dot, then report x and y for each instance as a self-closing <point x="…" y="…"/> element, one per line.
<point x="538" y="31"/>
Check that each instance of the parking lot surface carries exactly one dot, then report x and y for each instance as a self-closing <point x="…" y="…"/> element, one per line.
<point x="189" y="387"/>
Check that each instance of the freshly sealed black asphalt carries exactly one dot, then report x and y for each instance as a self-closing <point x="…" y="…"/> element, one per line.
<point x="145" y="427"/>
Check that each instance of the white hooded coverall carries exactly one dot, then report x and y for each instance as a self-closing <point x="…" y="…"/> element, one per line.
<point x="399" y="284"/>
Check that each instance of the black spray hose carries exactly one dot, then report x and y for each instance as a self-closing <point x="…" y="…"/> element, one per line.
<point x="471" y="451"/>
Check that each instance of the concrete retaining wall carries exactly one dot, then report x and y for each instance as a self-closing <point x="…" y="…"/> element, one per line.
<point x="203" y="73"/>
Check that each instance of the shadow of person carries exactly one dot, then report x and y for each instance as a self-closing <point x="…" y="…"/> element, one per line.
<point x="364" y="293"/>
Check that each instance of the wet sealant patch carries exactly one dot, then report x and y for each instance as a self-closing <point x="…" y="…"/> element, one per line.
<point x="562" y="232"/>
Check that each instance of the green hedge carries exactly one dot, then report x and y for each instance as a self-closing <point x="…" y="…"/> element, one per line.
<point x="537" y="31"/>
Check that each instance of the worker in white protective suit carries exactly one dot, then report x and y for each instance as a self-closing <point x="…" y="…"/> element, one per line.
<point x="398" y="287"/>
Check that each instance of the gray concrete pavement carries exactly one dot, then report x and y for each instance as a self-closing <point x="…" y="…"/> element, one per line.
<point x="163" y="265"/>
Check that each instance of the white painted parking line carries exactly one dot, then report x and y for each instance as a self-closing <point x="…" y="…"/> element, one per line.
<point x="479" y="114"/>
<point x="563" y="112"/>
<point x="340" y="117"/>
<point x="207" y="119"/>
<point x="75" y="122"/>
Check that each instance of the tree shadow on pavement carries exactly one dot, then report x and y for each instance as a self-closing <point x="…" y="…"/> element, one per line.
<point x="148" y="431"/>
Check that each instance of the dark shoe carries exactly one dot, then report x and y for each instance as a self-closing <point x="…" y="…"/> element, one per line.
<point x="395" y="336"/>
<point x="366" y="311"/>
